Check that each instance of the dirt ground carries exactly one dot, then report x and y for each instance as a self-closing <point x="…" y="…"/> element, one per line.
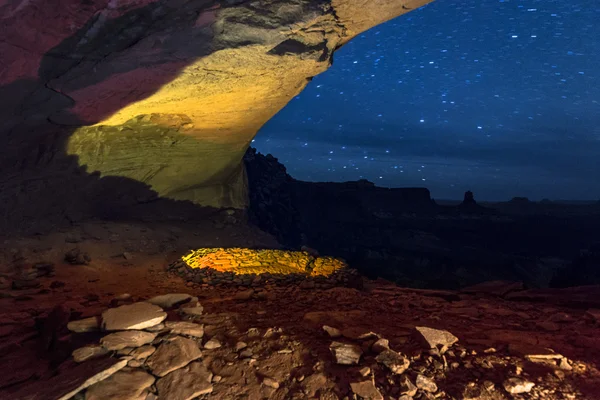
<point x="133" y="258"/>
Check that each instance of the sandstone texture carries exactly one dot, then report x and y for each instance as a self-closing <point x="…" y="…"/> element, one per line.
<point x="162" y="99"/>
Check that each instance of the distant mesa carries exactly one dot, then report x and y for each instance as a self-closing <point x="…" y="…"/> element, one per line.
<point x="520" y="200"/>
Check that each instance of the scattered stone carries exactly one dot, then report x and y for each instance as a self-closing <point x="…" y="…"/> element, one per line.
<point x="217" y="378"/>
<point x="121" y="340"/>
<point x="407" y="387"/>
<point x="77" y="257"/>
<point x="85" y="353"/>
<point x="434" y="337"/>
<point x="173" y="354"/>
<point x="185" y="328"/>
<point x="426" y="384"/>
<point x="405" y="397"/>
<point x="143" y="352"/>
<point x="345" y="354"/>
<point x="240" y="346"/>
<point x="366" y="390"/>
<point x="332" y="332"/>
<point x="364" y="371"/>
<point x="396" y="362"/>
<point x="84" y="325"/>
<point x="170" y="300"/>
<point x="246" y="353"/>
<point x="565" y="365"/>
<point x="380" y="345"/>
<point x="270" y="382"/>
<point x="212" y="344"/>
<point x="517" y="385"/>
<point x="133" y="316"/>
<point x="186" y="383"/>
<point x="121" y="386"/>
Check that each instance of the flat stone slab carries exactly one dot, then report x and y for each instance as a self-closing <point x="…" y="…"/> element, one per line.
<point x="434" y="337"/>
<point x="88" y="352"/>
<point x="172" y="355"/>
<point x="121" y="340"/>
<point x="133" y="316"/>
<point x="185" y="328"/>
<point x="122" y="385"/>
<point x="170" y="300"/>
<point x="185" y="383"/>
<point x="143" y="352"/>
<point x="84" y="325"/>
<point x="71" y="378"/>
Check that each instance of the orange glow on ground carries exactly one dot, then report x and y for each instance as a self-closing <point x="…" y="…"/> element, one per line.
<point x="247" y="261"/>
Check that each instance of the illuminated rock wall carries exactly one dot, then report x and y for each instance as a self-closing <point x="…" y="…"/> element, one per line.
<point x="163" y="95"/>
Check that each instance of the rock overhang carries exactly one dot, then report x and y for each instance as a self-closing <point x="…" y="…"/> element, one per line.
<point x="165" y="94"/>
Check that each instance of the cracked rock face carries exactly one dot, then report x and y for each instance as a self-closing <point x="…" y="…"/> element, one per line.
<point x="162" y="98"/>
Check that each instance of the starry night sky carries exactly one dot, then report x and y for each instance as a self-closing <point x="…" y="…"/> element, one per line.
<point x="498" y="97"/>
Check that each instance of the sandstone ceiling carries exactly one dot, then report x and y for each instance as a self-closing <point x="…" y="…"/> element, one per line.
<point x="165" y="93"/>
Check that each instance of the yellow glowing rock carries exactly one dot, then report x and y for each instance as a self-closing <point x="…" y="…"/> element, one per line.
<point x="245" y="261"/>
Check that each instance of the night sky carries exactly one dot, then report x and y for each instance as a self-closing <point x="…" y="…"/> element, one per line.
<point x="498" y="97"/>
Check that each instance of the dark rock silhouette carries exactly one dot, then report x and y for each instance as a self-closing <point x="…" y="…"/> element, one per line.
<point x="469" y="199"/>
<point x="404" y="236"/>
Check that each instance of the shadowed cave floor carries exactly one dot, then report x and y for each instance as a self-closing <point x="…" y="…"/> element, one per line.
<point x="287" y="355"/>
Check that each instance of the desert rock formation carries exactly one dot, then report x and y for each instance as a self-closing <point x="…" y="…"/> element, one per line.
<point x="154" y="97"/>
